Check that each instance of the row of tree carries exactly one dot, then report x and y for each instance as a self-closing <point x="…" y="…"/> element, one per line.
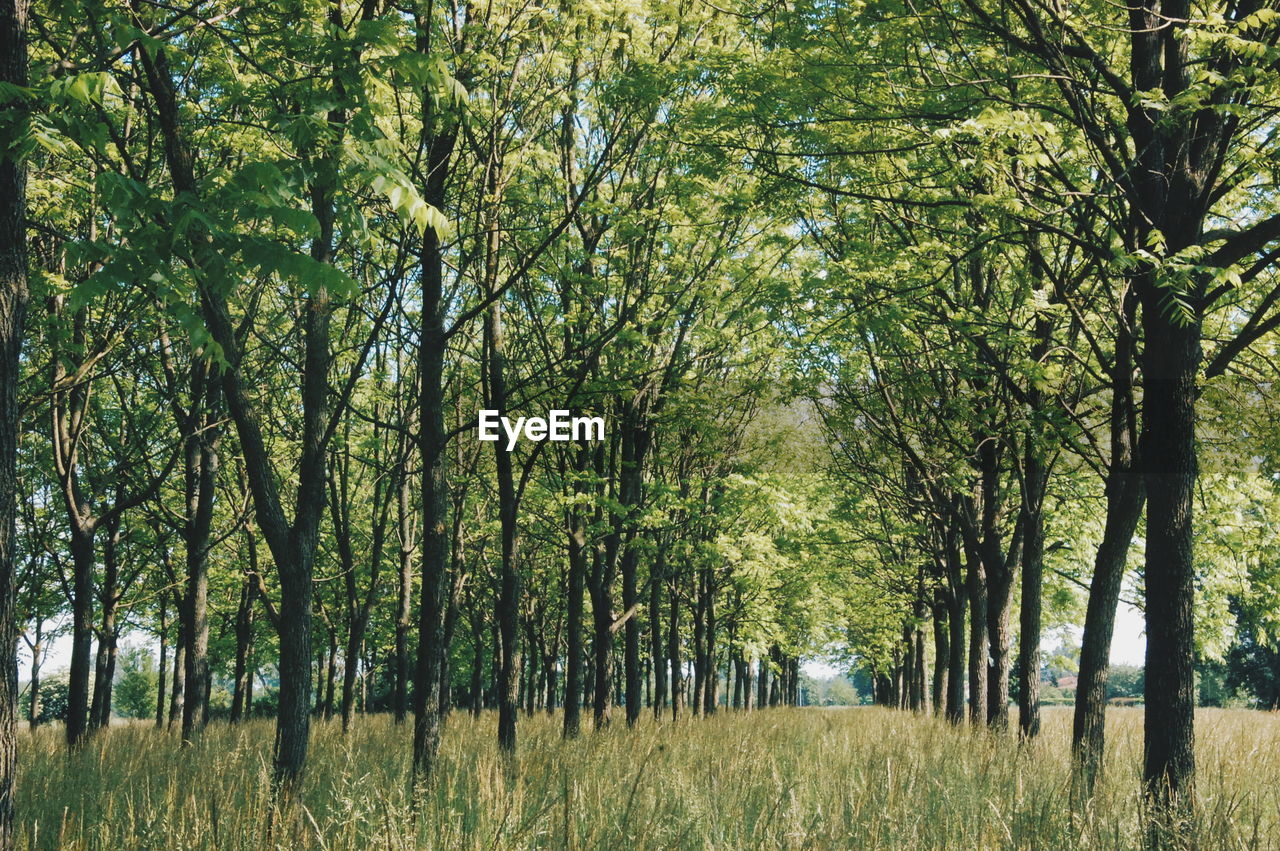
<point x="902" y="317"/>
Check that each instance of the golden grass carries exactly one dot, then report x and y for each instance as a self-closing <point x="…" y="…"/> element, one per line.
<point x="783" y="778"/>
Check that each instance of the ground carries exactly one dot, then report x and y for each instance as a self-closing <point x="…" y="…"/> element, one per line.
<point x="780" y="778"/>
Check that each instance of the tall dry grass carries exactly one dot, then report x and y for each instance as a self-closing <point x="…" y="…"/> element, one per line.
<point x="786" y="778"/>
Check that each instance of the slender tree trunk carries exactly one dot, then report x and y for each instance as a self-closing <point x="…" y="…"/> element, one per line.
<point x="243" y="677"/>
<point x="13" y="301"/>
<point x="576" y="583"/>
<point x="201" y="470"/>
<point x="438" y="138"/>
<point x="164" y="657"/>
<point x="37" y="656"/>
<point x="405" y="516"/>
<point x="330" y="673"/>
<point x="976" y="585"/>
<point x="709" y="691"/>
<point x="656" y="581"/>
<point x="1034" y="476"/>
<point x="941" y="657"/>
<point x="762" y="685"/>
<point x="699" y="652"/>
<point x="602" y="638"/>
<point x="508" y="578"/>
<point x="673" y="653"/>
<point x="177" y="695"/>
<point x="477" y="660"/>
<point x="293" y="544"/>
<point x="957" y="604"/>
<point x="105" y="665"/>
<point x="1125" y="492"/>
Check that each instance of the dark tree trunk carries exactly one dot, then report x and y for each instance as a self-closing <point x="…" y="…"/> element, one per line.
<point x="508" y="610"/>
<point x="699" y="651"/>
<point x="999" y="648"/>
<point x="477" y="659"/>
<point x="657" y="580"/>
<point x="77" y="723"/>
<point x="941" y="655"/>
<point x="635" y="439"/>
<point x="1034" y="476"/>
<point x="576" y="588"/>
<point x="976" y="586"/>
<point x="438" y="137"/>
<point x="1170" y="364"/>
<point x="164" y="657"/>
<point x="330" y="674"/>
<point x="673" y="652"/>
<point x="601" y="582"/>
<point x="37" y="656"/>
<point x="293" y="544"/>
<point x="13" y="302"/>
<point x="105" y="665"/>
<point x="709" y="638"/>
<point x="1125" y="492"/>
<point x="200" y="475"/>
<point x="956" y="606"/>
<point x="242" y="674"/>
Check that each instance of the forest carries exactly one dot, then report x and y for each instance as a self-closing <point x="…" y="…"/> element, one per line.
<point x="459" y="424"/>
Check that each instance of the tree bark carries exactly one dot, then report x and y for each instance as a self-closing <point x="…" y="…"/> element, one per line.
<point x="976" y="586"/>
<point x="200" y="475"/>
<point x="1125" y="493"/>
<point x="242" y="673"/>
<point x="13" y="302"/>
<point x="1171" y="362"/>
<point x="577" y="568"/>
<point x="438" y="138"/>
<point x="177" y="694"/>
<point x="1034" y="477"/>
<point x="657" y="580"/>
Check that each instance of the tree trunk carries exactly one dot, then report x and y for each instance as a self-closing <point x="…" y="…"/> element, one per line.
<point x="77" y="724"/>
<point x="1126" y="492"/>
<point x="37" y="656"/>
<point x="673" y="652"/>
<point x="762" y="684"/>
<point x="602" y="638"/>
<point x="1034" y="477"/>
<point x="293" y="544"/>
<point x="656" y="581"/>
<point x="699" y="652"/>
<point x="576" y="588"/>
<point x="242" y="675"/>
<point x="710" y="695"/>
<point x="437" y="140"/>
<point x="1170" y="364"/>
<point x="13" y="301"/>
<point x="177" y="695"/>
<point x="164" y="656"/>
<point x="941" y="656"/>
<point x="201" y="466"/>
<point x="976" y="586"/>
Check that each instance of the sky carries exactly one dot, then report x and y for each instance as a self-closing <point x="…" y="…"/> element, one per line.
<point x="1128" y="647"/>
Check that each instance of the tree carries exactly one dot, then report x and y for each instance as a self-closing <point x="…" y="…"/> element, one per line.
<point x="13" y="302"/>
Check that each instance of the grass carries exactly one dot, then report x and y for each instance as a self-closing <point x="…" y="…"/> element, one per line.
<point x="782" y="778"/>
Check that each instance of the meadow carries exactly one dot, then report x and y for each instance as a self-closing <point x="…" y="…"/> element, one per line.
<point x="780" y="778"/>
